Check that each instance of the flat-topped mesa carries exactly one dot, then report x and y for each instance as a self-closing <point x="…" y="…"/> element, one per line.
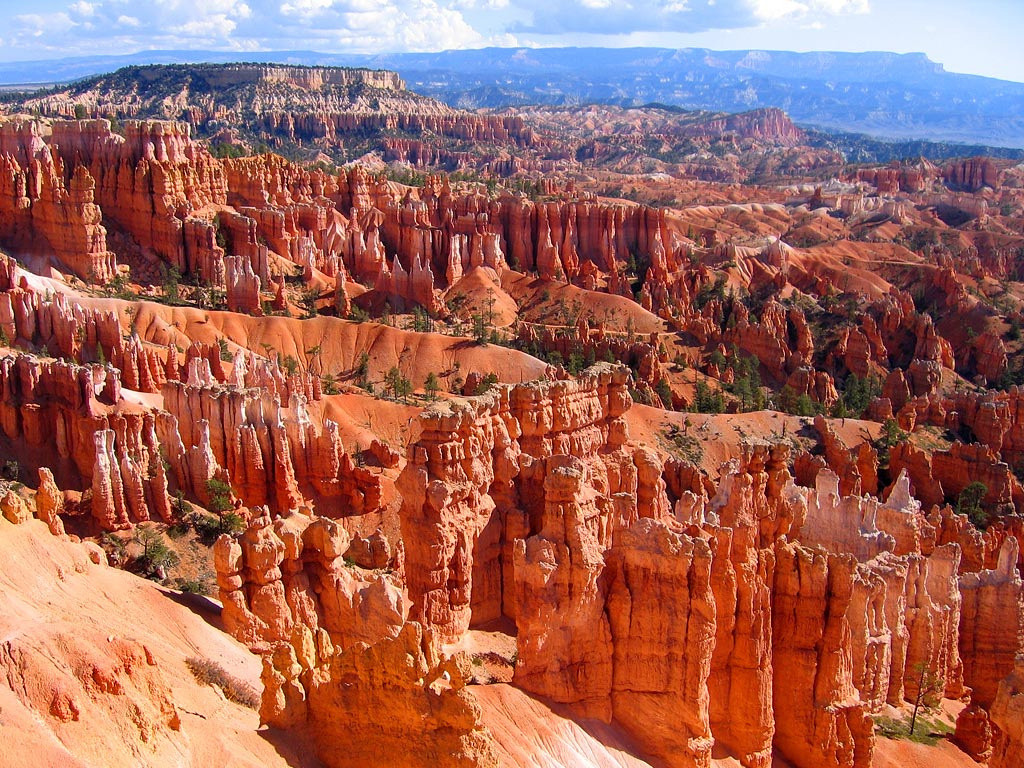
<point x="309" y="78"/>
<point x="772" y="124"/>
<point x="86" y="141"/>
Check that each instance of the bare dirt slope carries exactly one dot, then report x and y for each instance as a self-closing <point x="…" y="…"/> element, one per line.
<point x="95" y="659"/>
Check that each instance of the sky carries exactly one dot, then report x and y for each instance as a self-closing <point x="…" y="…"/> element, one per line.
<point x="972" y="36"/>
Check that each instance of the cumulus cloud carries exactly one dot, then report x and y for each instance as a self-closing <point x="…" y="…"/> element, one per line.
<point x="82" y="8"/>
<point x="610" y="18"/>
<point x="361" y="26"/>
<point x="328" y="25"/>
<point x="771" y="10"/>
<point x="305" y="8"/>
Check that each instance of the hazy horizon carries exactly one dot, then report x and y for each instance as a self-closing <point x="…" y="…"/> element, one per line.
<point x="979" y="40"/>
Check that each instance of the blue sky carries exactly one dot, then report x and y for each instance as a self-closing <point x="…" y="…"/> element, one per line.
<point x="972" y="36"/>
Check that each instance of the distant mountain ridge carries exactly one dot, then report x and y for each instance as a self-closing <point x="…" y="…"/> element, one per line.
<point x="899" y="96"/>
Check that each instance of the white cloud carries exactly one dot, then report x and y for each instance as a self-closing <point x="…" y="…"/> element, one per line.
<point x="82" y="8"/>
<point x="38" y="24"/>
<point x="771" y="10"/>
<point x="305" y="8"/>
<point x="842" y="6"/>
<point x="207" y="28"/>
<point x="358" y="26"/>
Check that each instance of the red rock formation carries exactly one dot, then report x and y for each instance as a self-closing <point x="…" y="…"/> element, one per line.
<point x="856" y="469"/>
<point x="47" y="203"/>
<point x="974" y="733"/>
<point x="14" y="508"/>
<point x="70" y="330"/>
<point x="740" y="684"/>
<point x="962" y="464"/>
<point x="972" y="174"/>
<point x="660" y="667"/>
<point x="243" y="286"/>
<point x="464" y="476"/>
<point x="339" y="658"/>
<point x="819" y="718"/>
<point x="991" y="625"/>
<point x="271" y="454"/>
<point x="50" y="502"/>
<point x="59" y="412"/>
<point x="1008" y="719"/>
<point x="149" y="182"/>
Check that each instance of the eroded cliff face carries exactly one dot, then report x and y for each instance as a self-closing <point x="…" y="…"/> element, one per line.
<point x="341" y="660"/>
<point x="691" y="608"/>
<point x="143" y="421"/>
<point x="764" y="618"/>
<point x="1007" y="717"/>
<point x="47" y="204"/>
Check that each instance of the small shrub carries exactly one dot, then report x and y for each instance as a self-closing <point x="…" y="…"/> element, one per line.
<point x="576" y="363"/>
<point x="115" y="548"/>
<point x="707" y="400"/>
<point x="156" y="556"/>
<point x="308" y="302"/>
<point x="890" y="727"/>
<point x="927" y="730"/>
<point x="193" y="586"/>
<point x="208" y="527"/>
<point x="231" y="523"/>
<point x="362" y="369"/>
<point x="664" y="392"/>
<point x="220" y="495"/>
<point x="969" y="503"/>
<point x="399" y="385"/>
<point x="486" y="383"/>
<point x="431" y="386"/>
<point x="11" y="470"/>
<point x="684" y="445"/>
<point x="171" y="286"/>
<point x="211" y="673"/>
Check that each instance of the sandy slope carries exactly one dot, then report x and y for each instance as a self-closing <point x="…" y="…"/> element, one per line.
<point x="79" y="640"/>
<point x="530" y="734"/>
<point x="339" y="343"/>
